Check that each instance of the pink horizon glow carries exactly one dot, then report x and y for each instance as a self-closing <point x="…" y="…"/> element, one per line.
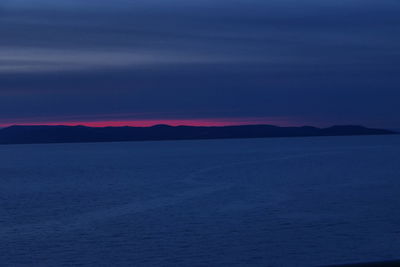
<point x="171" y="122"/>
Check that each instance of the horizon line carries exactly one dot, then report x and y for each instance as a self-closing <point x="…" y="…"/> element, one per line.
<point x="207" y="122"/>
<point x="195" y="122"/>
<point x="183" y="125"/>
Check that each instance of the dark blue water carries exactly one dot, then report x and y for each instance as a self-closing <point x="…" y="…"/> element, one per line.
<point x="260" y="202"/>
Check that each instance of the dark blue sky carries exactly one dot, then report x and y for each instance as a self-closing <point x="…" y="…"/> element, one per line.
<point x="278" y="61"/>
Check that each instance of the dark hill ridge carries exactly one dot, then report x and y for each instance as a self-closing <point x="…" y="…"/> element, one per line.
<point x="75" y="134"/>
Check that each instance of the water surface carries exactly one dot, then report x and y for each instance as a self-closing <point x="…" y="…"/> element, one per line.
<point x="249" y="202"/>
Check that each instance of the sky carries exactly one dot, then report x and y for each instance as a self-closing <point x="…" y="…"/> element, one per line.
<point x="204" y="62"/>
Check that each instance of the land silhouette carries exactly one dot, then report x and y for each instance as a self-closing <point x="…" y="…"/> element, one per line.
<point x="20" y="134"/>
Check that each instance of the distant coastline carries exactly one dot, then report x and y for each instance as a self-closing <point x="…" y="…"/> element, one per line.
<point x="82" y="134"/>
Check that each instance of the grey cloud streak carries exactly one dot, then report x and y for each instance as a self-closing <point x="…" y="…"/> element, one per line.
<point x="332" y="61"/>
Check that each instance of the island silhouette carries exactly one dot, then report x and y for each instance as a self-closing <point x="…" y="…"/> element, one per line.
<point x="24" y="134"/>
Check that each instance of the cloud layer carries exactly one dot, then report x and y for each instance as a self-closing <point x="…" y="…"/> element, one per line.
<point x="321" y="62"/>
